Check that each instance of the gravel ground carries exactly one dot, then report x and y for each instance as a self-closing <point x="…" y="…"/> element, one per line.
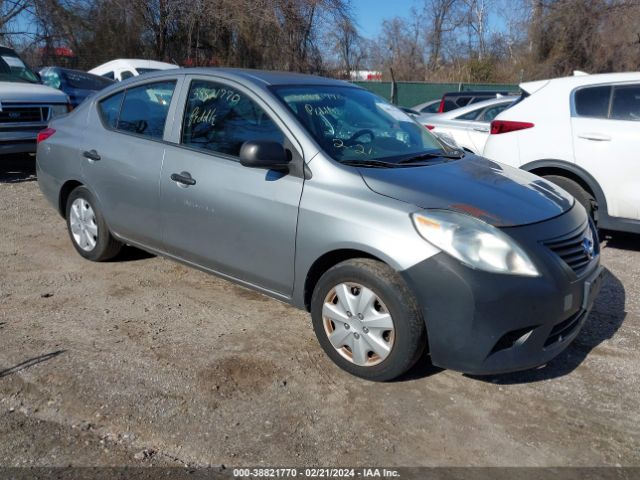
<point x="142" y="361"/>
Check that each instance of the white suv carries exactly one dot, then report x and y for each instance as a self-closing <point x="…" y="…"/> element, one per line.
<point x="583" y="134"/>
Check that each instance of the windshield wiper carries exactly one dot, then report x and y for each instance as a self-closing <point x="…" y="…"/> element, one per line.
<point x="368" y="163"/>
<point x="432" y="155"/>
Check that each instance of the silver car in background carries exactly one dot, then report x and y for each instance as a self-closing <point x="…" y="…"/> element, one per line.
<point x="323" y="195"/>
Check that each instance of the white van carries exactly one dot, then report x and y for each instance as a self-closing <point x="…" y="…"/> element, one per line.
<point x="583" y="134"/>
<point x="124" y="68"/>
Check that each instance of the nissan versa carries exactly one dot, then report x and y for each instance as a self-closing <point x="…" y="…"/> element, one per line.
<point x="323" y="195"/>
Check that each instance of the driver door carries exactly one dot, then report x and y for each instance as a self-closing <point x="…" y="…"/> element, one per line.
<point x="235" y="220"/>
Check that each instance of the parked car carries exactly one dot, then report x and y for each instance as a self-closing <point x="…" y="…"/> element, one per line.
<point x="410" y="111"/>
<point x="451" y="101"/>
<point x="431" y="106"/>
<point x="323" y="195"/>
<point x="124" y="68"/>
<point x="25" y="105"/>
<point x="581" y="133"/>
<point x="76" y="84"/>
<point x="468" y="127"/>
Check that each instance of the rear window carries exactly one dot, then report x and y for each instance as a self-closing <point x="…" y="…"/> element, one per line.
<point x="433" y="108"/>
<point x="472" y="115"/>
<point x="593" y="101"/>
<point x="626" y="103"/>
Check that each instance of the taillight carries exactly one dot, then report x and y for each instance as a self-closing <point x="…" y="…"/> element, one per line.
<point x="506" y="126"/>
<point x="44" y="134"/>
<point x="441" y="107"/>
<point x="429" y="127"/>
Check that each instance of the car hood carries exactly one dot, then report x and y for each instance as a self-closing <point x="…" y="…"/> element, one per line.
<point x="495" y="193"/>
<point x="17" y="92"/>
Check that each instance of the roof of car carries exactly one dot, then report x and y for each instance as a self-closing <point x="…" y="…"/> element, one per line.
<point x="132" y="62"/>
<point x="266" y="77"/>
<point x="579" y="80"/>
<point x="478" y="105"/>
<point x="471" y="93"/>
<point x="260" y="77"/>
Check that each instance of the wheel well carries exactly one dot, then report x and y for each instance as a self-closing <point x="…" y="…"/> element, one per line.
<point x="561" y="172"/>
<point x="324" y="263"/>
<point x="65" y="191"/>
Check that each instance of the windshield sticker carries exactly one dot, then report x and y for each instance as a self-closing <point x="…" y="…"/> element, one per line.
<point x="13" y="61"/>
<point x="198" y="116"/>
<point x="393" y="111"/>
<point x="205" y="94"/>
<point x="312" y="97"/>
<point x="320" y="111"/>
<point x="357" y="148"/>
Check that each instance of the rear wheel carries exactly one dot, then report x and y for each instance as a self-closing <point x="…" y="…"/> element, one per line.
<point x="87" y="228"/>
<point x="575" y="189"/>
<point x="367" y="320"/>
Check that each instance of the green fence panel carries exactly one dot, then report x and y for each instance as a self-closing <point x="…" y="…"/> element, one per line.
<point x="414" y="93"/>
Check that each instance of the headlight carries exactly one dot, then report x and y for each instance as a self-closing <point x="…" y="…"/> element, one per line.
<point x="59" y="109"/>
<point x="473" y="242"/>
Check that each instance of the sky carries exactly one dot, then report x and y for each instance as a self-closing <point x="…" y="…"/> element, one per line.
<point x="369" y="14"/>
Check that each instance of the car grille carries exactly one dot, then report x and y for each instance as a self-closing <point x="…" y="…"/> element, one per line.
<point x="574" y="251"/>
<point x="23" y="114"/>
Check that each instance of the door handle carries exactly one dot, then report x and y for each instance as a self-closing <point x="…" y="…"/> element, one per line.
<point x="596" y="137"/>
<point x="91" y="155"/>
<point x="183" y="178"/>
<point x="481" y="129"/>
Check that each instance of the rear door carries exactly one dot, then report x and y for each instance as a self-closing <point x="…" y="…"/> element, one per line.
<point x="606" y="138"/>
<point x="123" y="153"/>
<point x="238" y="221"/>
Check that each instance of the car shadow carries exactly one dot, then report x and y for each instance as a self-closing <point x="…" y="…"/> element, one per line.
<point x="17" y="168"/>
<point x="30" y="363"/>
<point x="622" y="240"/>
<point x="603" y="322"/>
<point x="131" y="254"/>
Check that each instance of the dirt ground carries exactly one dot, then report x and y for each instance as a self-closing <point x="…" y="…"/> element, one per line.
<point x="143" y="361"/>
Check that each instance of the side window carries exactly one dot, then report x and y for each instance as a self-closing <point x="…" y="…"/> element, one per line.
<point x="126" y="74"/>
<point x="144" y="109"/>
<point x="109" y="75"/>
<point x="593" y="101"/>
<point x="492" y="112"/>
<point x="462" y="101"/>
<point x="433" y="108"/>
<point x="220" y="118"/>
<point x="626" y="103"/>
<point x="109" y="109"/>
<point x="472" y="115"/>
<point x="51" y="79"/>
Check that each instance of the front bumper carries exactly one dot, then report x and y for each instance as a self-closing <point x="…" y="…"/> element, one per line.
<point x="485" y="323"/>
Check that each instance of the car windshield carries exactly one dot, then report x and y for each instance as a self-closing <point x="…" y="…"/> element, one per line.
<point x="13" y="69"/>
<point x="352" y="124"/>
<point x="84" y="81"/>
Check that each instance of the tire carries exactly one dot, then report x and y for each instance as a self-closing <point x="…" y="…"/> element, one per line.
<point x="574" y="188"/>
<point x="393" y="304"/>
<point x="87" y="229"/>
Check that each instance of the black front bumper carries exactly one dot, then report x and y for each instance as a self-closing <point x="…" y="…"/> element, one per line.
<point x="485" y="323"/>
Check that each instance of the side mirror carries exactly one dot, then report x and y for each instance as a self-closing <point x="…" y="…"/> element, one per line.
<point x="264" y="154"/>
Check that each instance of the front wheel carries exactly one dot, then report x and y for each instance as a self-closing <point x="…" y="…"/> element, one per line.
<point x="88" y="231"/>
<point x="367" y="320"/>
